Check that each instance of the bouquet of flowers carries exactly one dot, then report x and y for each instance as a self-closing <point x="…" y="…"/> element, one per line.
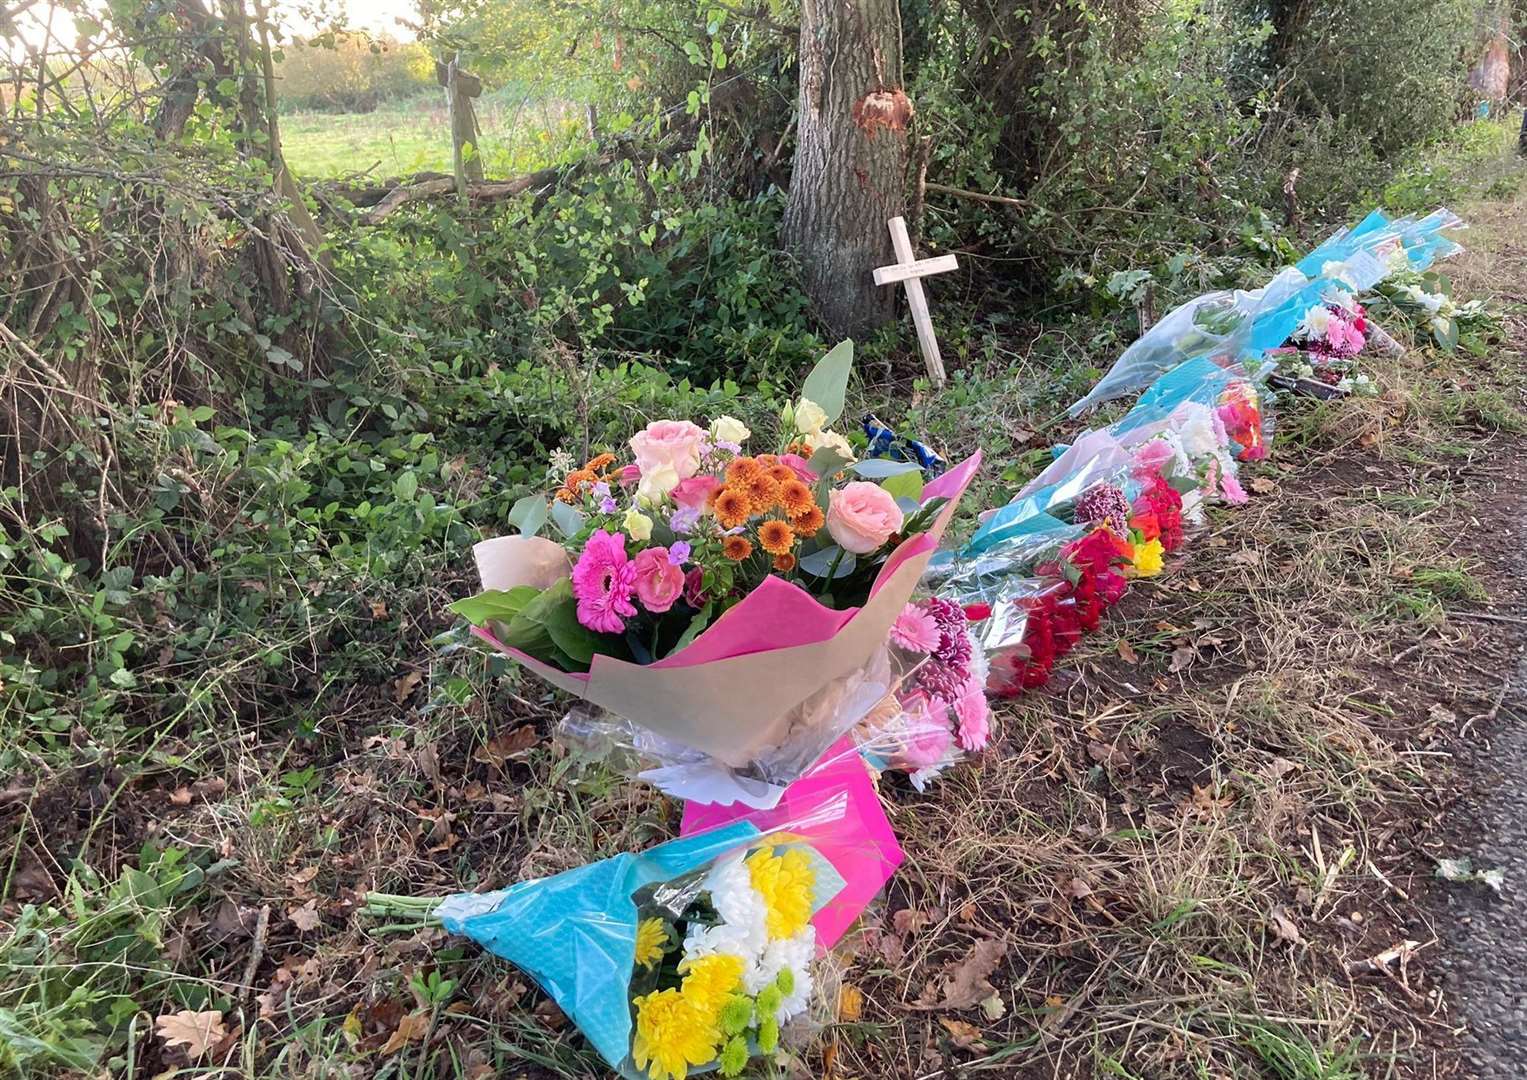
<point x="1425" y="300"/>
<point x="694" y="955"/>
<point x="706" y="592"/>
<point x="940" y="711"/>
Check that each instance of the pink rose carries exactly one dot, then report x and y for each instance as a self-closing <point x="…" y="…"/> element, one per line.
<point x="658" y="582"/>
<point x="694" y="492"/>
<point x="668" y="442"/>
<point x="861" y="516"/>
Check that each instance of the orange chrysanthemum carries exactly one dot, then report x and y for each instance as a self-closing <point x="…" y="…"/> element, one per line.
<point x="784" y="563"/>
<point x="736" y="548"/>
<point x="781" y="474"/>
<point x="741" y="471"/>
<point x="795" y="497"/>
<point x="776" y="537"/>
<point x="600" y="463"/>
<point x="732" y="507"/>
<point x="577" y="480"/>
<point x="763" y="492"/>
<point x="810" y="522"/>
<point x="799" y="449"/>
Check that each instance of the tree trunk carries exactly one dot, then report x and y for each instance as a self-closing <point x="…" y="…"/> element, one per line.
<point x="850" y="160"/>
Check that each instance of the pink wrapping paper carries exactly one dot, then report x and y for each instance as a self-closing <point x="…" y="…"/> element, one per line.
<point x="860" y="845"/>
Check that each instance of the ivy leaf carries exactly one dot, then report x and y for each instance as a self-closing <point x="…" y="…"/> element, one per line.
<point x="529" y="514"/>
<point x="827" y="385"/>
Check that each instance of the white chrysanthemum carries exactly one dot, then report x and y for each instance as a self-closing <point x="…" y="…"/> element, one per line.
<point x="1195" y="427"/>
<point x="1316" y="320"/>
<point x="727" y="940"/>
<point x="1342" y="299"/>
<point x="795" y="953"/>
<point x="980" y="667"/>
<point x="730" y="885"/>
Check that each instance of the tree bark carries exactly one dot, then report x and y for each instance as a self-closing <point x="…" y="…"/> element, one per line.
<point x="850" y="170"/>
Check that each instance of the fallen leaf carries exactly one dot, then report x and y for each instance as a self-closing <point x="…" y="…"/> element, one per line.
<point x="181" y="796"/>
<point x="233" y="920"/>
<point x="1127" y="652"/>
<point x="499" y="749"/>
<point x="908" y="921"/>
<point x="551" y="1016"/>
<point x="965" y="984"/>
<point x="965" y="1036"/>
<point x="405" y="685"/>
<point x="1182" y="656"/>
<point x="351" y="1028"/>
<point x="850" y="1003"/>
<point x="1441" y="714"/>
<point x="994" y="1008"/>
<point x="1077" y="889"/>
<point x="1263" y="485"/>
<point x="1103" y="754"/>
<point x="196" y="1031"/>
<point x="1283" y="926"/>
<point x="304" y="917"/>
<point x="379" y="609"/>
<point x="410" y="1029"/>
<point x="1279" y="767"/>
<point x="1245" y="557"/>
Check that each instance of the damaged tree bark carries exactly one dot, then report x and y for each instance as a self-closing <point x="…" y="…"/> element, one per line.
<point x="851" y="153"/>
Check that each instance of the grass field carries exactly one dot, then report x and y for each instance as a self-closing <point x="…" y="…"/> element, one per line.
<point x="414" y="135"/>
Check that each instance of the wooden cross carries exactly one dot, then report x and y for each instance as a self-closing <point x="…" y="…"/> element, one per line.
<point x="910" y="271"/>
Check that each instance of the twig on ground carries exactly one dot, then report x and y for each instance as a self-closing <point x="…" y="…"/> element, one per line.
<point x="256" y="952"/>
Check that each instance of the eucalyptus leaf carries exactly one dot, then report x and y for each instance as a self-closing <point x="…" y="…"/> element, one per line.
<point x="827" y="462"/>
<point x="906" y="487"/>
<point x="569" y="522"/>
<point x="529" y="514"/>
<point x="819" y="563"/>
<point x="827" y="385"/>
<point x="882" y="468"/>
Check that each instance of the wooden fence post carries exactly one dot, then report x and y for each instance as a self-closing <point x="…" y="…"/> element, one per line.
<point x="460" y="88"/>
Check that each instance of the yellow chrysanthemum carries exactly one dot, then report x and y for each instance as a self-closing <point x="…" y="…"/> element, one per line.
<point x="710" y="982"/>
<point x="784" y="882"/>
<point x="671" y="1035"/>
<point x="1147" y="558"/>
<point x="651" y="936"/>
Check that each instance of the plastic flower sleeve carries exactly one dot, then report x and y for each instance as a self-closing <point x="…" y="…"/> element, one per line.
<point x="1214" y="324"/>
<point x="605" y="940"/>
<point x="688" y="773"/>
<point x="860" y="845"/>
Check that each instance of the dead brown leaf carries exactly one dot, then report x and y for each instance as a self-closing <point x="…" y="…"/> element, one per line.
<point x="411" y="1028"/>
<point x="195" y="1031"/>
<point x="304" y="917"/>
<point x="1263" y="485"/>
<point x="181" y="796"/>
<point x="966" y="982"/>
<point x="965" y="1036"/>
<point x="850" y="1003"/>
<point x="1127" y="652"/>
<point x="1283" y="926"/>
<point x="379" y="609"/>
<point x="501" y="748"/>
<point x="1245" y="557"/>
<point x="1182" y="656"/>
<point x="405" y="685"/>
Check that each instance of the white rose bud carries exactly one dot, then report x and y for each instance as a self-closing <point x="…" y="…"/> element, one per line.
<point x="810" y="417"/>
<point x="729" y="429"/>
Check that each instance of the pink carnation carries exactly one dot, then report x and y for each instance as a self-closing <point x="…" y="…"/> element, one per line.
<point x="1235" y="495"/>
<point x="603" y="581"/>
<point x="915" y="630"/>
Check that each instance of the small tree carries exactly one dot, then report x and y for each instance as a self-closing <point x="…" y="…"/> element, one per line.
<point x="850" y="171"/>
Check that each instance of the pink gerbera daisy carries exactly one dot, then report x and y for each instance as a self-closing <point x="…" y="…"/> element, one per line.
<point x="915" y="630"/>
<point x="974" y="716"/>
<point x="603" y="581"/>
